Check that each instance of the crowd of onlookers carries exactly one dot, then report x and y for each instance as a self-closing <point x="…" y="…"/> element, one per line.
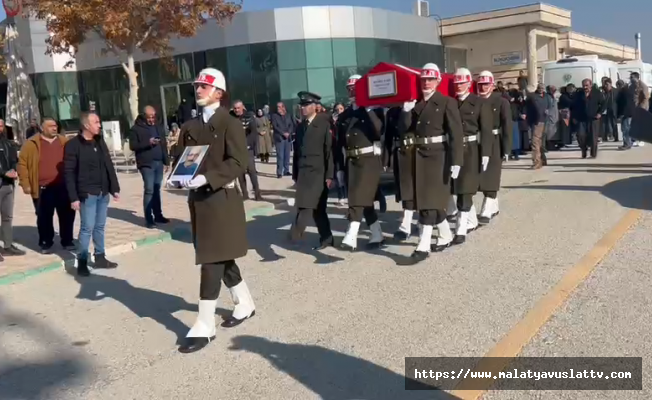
<point x="589" y="114"/>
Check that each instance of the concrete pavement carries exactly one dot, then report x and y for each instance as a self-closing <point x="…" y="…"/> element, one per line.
<point x="125" y="228"/>
<point x="335" y="325"/>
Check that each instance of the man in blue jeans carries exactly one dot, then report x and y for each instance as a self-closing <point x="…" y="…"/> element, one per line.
<point x="90" y="178"/>
<point x="284" y="130"/>
<point x="147" y="140"/>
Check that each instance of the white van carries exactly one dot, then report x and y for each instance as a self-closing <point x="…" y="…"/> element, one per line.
<point x="644" y="70"/>
<point x="575" y="69"/>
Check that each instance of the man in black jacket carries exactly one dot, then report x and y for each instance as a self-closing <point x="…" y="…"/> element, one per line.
<point x="586" y="112"/>
<point x="147" y="140"/>
<point x="8" y="175"/>
<point x="90" y="179"/>
<point x="249" y="125"/>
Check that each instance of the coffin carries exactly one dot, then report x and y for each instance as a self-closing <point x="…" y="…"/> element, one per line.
<point x="390" y="84"/>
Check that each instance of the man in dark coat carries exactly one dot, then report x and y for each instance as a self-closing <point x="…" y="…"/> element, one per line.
<point x="477" y="123"/>
<point x="500" y="148"/>
<point x="247" y="119"/>
<point x="431" y="155"/>
<point x="217" y="213"/>
<point x="586" y="113"/>
<point x="393" y="147"/>
<point x="359" y="131"/>
<point x="313" y="171"/>
<point x="147" y="141"/>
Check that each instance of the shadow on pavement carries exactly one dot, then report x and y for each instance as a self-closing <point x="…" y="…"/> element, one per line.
<point x="145" y="303"/>
<point x="630" y="192"/>
<point x="332" y="375"/>
<point x="27" y="237"/>
<point x="28" y="378"/>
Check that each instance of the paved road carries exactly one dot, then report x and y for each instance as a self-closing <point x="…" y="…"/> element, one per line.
<point x="334" y="325"/>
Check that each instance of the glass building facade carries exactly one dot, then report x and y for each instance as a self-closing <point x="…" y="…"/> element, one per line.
<point x="309" y="48"/>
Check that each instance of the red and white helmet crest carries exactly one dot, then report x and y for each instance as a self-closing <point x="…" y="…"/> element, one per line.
<point x="430" y="70"/>
<point x="486" y="77"/>
<point x="463" y="75"/>
<point x="352" y="80"/>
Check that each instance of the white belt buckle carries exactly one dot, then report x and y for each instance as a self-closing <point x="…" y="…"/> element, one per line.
<point x="378" y="150"/>
<point x="495" y="131"/>
<point x="230" y="185"/>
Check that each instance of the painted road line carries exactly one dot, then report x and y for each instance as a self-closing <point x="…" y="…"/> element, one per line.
<point x="121" y="248"/>
<point x="520" y="335"/>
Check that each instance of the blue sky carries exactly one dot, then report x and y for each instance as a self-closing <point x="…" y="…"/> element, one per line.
<point x="600" y="19"/>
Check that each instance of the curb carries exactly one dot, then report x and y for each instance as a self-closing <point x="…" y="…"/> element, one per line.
<point x="123" y="248"/>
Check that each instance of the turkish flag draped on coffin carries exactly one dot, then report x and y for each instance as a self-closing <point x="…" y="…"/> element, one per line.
<point x="392" y="84"/>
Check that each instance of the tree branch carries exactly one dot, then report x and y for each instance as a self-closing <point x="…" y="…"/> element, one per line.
<point x="146" y="35"/>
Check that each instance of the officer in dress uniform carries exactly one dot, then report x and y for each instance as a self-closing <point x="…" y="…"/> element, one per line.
<point x="217" y="214"/>
<point x="501" y="148"/>
<point x="430" y="156"/>
<point x="393" y="147"/>
<point x="313" y="170"/>
<point x="477" y="124"/>
<point x="359" y="131"/>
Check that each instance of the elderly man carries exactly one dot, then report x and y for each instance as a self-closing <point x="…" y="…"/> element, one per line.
<point x="147" y="140"/>
<point x="40" y="172"/>
<point x="8" y="177"/>
<point x="248" y="122"/>
<point x="586" y="113"/>
<point x="189" y="165"/>
<point x="284" y="129"/>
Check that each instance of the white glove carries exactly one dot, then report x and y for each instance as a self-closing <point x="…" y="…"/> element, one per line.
<point x="506" y="158"/>
<point x="196" y="182"/>
<point x="455" y="171"/>
<point x="340" y="177"/>
<point x="485" y="163"/>
<point x="409" y="105"/>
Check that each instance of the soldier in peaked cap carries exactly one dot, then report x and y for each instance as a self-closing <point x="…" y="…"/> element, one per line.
<point x="500" y="148"/>
<point x="430" y="156"/>
<point x="313" y="171"/>
<point x="217" y="214"/>
<point x="359" y="131"/>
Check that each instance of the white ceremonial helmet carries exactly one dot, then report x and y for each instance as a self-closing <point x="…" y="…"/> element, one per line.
<point x="353" y="79"/>
<point x="485" y="83"/>
<point x="462" y="76"/>
<point x="212" y="77"/>
<point x="430" y="70"/>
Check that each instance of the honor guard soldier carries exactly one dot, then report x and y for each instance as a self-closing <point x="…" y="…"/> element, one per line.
<point x="393" y="147"/>
<point x="501" y="147"/>
<point x="360" y="130"/>
<point x="429" y="158"/>
<point x="478" y="141"/>
<point x="313" y="170"/>
<point x="217" y="214"/>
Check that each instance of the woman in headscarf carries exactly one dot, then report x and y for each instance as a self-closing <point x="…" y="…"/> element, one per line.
<point x="565" y="124"/>
<point x="265" y="141"/>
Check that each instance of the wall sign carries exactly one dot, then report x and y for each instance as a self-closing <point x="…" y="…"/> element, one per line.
<point x="12" y="7"/>
<point x="511" y="58"/>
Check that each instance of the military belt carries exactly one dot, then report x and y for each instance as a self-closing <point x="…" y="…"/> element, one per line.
<point x="496" y="131"/>
<point x="472" y="138"/>
<point x="430" y="140"/>
<point x="359" y="152"/>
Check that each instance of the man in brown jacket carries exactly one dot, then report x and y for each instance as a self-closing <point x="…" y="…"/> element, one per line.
<point x="40" y="173"/>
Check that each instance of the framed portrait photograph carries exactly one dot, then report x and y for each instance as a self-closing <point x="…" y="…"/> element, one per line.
<point x="188" y="165"/>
